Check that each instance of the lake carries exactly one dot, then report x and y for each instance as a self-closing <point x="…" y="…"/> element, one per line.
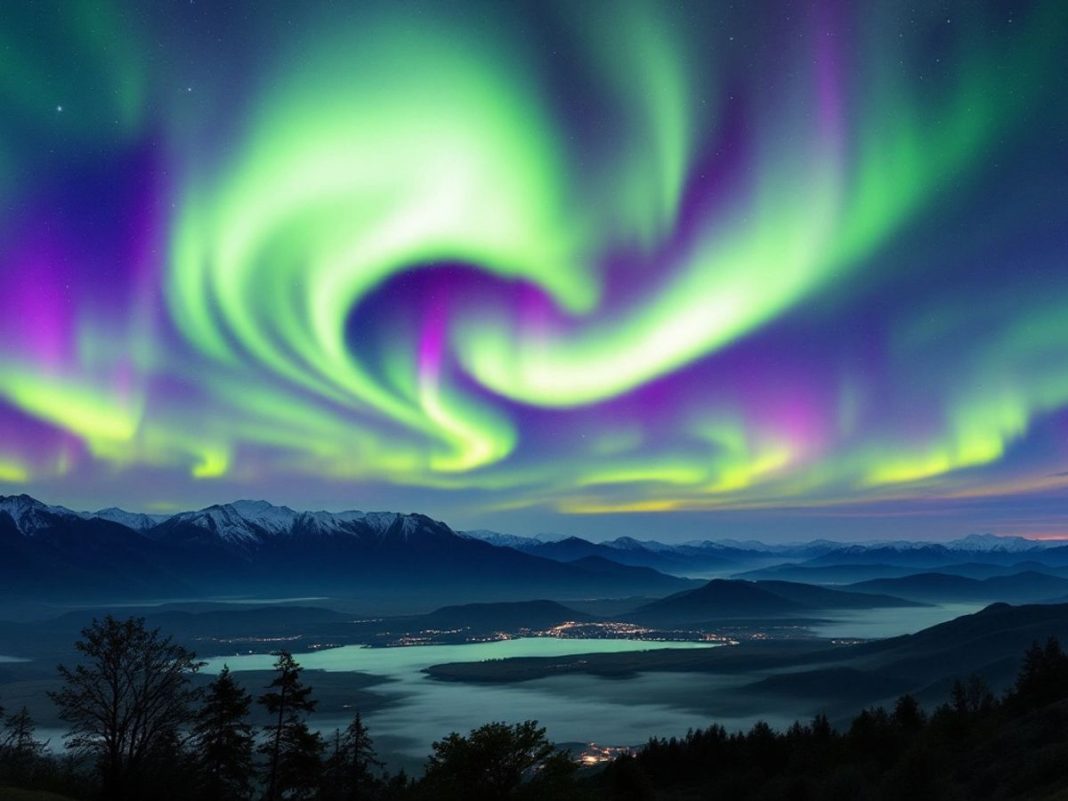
<point x="573" y="709"/>
<point x="876" y="624"/>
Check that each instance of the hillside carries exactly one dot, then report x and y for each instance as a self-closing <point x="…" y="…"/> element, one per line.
<point x="1024" y="587"/>
<point x="503" y="616"/>
<point x="719" y="599"/>
<point x="724" y="599"/>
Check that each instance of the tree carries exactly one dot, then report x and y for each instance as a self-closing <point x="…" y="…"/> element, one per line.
<point x="224" y="740"/>
<point x="349" y="769"/>
<point x="908" y="715"/>
<point x="1043" y="676"/>
<point x="128" y="702"/>
<point x="20" y="750"/>
<point x="294" y="752"/>
<point x="494" y="762"/>
<point x="971" y="697"/>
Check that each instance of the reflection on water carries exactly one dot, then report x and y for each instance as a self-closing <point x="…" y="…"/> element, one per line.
<point x="573" y="708"/>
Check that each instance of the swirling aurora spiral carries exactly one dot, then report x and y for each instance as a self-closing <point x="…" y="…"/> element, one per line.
<point x="608" y="246"/>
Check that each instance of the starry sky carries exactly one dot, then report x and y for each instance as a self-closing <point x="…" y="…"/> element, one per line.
<point x="780" y="270"/>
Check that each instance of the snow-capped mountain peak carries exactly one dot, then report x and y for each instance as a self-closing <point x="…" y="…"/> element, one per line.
<point x="248" y="523"/>
<point x="138" y="521"/>
<point x="499" y="539"/>
<point x="30" y="514"/>
<point x="226" y="522"/>
<point x="995" y="542"/>
<point x="275" y="519"/>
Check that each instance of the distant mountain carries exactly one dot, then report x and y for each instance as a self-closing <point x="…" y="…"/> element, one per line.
<point x="500" y="540"/>
<point x="136" y="521"/>
<point x="793" y="550"/>
<point x="28" y="515"/>
<point x="253" y="547"/>
<point x="1025" y="587"/>
<point x="933" y="556"/>
<point x="815" y="597"/>
<point x="598" y="564"/>
<point x="510" y="540"/>
<point x="824" y="574"/>
<point x="52" y="552"/>
<point x="722" y="599"/>
<point x="719" y="599"/>
<point x="502" y="616"/>
<point x="850" y="574"/>
<point x="675" y="560"/>
<point x="751" y="559"/>
<point x="993" y="542"/>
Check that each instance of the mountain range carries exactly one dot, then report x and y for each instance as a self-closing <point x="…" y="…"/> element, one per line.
<point x="1029" y="586"/>
<point x="256" y="548"/>
<point x="819" y="561"/>
<point x="252" y="547"/>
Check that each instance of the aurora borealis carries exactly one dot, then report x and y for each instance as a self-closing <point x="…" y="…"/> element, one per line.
<point x="642" y="267"/>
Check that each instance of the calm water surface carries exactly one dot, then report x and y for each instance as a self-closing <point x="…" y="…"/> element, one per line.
<point x="425" y="710"/>
<point x="879" y="623"/>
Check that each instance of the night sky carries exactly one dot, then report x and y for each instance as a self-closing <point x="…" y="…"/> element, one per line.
<point x="776" y="270"/>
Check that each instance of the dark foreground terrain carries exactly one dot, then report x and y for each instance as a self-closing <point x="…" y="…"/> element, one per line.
<point x="147" y="730"/>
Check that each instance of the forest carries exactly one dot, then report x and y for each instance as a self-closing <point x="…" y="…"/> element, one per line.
<point x="139" y="727"/>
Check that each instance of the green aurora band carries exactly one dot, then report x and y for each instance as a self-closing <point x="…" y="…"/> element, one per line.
<point x="605" y="263"/>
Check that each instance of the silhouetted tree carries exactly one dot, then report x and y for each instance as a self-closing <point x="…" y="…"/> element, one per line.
<point x="224" y="741"/>
<point x="821" y="728"/>
<point x="127" y="702"/>
<point x="497" y="762"/>
<point x="20" y="750"/>
<point x="349" y="770"/>
<point x="908" y="715"/>
<point x="1043" y="675"/>
<point x="293" y="751"/>
<point x="971" y="697"/>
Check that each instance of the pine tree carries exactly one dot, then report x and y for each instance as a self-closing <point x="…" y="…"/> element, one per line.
<point x="293" y="751"/>
<point x="1029" y="680"/>
<point x="908" y="715"/>
<point x="1043" y="676"/>
<point x="354" y="758"/>
<point x="224" y="740"/>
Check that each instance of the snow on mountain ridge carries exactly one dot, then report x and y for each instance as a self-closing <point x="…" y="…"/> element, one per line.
<point x="996" y="542"/>
<point x="30" y="514"/>
<point x="138" y="521"/>
<point x="248" y="522"/>
<point x="500" y="540"/>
